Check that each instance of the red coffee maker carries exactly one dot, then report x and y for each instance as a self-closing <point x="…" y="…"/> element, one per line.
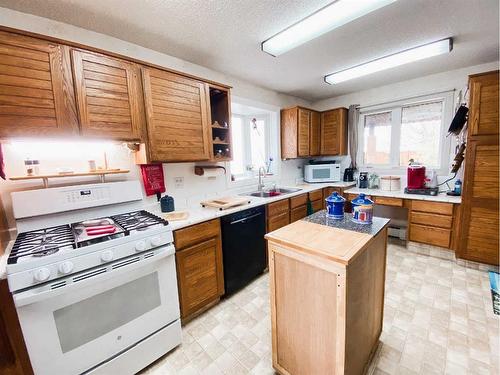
<point x="415" y="177"/>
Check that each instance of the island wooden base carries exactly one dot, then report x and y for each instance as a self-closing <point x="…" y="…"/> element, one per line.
<point x="326" y="315"/>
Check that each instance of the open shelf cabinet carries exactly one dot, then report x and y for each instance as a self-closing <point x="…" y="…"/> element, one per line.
<point x="220" y="120"/>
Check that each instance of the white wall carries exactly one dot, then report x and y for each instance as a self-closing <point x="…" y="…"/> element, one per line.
<point x="194" y="188"/>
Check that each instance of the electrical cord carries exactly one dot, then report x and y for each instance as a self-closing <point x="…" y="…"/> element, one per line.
<point x="448" y="180"/>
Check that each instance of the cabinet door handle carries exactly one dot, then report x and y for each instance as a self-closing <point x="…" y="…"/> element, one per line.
<point x="243" y="220"/>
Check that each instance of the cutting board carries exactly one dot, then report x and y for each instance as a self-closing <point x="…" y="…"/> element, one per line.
<point x="225" y="202"/>
<point x="176" y="215"/>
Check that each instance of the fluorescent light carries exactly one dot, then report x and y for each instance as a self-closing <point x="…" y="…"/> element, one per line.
<point x="404" y="57"/>
<point x="326" y="19"/>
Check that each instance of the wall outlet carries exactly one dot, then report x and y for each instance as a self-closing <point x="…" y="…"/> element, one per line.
<point x="179" y="182"/>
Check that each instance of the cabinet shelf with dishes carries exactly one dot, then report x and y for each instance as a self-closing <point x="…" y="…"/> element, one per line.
<point x="220" y="116"/>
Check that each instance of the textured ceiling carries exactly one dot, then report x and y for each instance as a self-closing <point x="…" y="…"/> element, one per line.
<point x="225" y="35"/>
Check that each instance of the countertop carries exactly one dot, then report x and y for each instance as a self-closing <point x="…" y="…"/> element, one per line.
<point x="199" y="214"/>
<point x="442" y="197"/>
<point x="340" y="241"/>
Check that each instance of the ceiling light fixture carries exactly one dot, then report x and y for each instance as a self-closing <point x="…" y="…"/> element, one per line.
<point x="404" y="57"/>
<point x="326" y="19"/>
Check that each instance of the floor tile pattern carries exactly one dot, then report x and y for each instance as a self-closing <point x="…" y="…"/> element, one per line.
<point x="438" y="319"/>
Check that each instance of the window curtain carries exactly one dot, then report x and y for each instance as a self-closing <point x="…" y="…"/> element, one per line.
<point x="352" y="130"/>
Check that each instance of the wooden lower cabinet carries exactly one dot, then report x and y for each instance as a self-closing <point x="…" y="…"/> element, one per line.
<point x="298" y="213"/>
<point x="316" y="199"/>
<point x="200" y="275"/>
<point x="14" y="359"/>
<point x="278" y="221"/>
<point x="326" y="315"/>
<point x="278" y="214"/>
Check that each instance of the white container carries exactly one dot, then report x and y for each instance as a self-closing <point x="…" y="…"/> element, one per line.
<point x="390" y="183"/>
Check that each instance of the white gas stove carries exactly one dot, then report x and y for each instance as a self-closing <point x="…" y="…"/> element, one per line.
<point x="94" y="276"/>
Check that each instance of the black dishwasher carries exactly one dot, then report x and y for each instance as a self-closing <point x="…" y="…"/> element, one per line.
<point x="243" y="247"/>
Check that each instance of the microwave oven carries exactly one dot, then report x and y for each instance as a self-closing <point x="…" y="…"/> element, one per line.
<point x="322" y="172"/>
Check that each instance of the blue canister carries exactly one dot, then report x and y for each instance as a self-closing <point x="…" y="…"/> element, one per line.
<point x="167" y="204"/>
<point x="362" y="209"/>
<point x="335" y="206"/>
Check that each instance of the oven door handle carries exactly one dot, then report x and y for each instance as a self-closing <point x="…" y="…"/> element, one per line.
<point x="42" y="292"/>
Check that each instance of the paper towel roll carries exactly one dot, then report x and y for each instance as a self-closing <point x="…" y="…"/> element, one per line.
<point x="209" y="171"/>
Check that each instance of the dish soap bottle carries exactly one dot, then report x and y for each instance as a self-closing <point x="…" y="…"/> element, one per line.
<point x="458" y="187"/>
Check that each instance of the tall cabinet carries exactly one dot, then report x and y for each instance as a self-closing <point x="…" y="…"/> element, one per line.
<point x="479" y="237"/>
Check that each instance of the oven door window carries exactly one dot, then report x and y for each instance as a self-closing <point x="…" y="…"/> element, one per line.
<point x="91" y="318"/>
<point x="319" y="173"/>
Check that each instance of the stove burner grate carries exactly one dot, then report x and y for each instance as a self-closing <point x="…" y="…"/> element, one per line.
<point x="41" y="242"/>
<point x="138" y="220"/>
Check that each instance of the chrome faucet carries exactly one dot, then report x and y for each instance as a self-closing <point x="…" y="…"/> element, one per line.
<point x="262" y="173"/>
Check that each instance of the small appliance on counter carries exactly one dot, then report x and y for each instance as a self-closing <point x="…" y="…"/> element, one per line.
<point x="362" y="209"/>
<point x="390" y="183"/>
<point x="363" y="180"/>
<point x="335" y="206"/>
<point x="325" y="172"/>
<point x="349" y="175"/>
<point x="416" y="181"/>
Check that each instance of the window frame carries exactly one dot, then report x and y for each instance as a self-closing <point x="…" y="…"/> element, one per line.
<point x="248" y="175"/>
<point x="396" y="109"/>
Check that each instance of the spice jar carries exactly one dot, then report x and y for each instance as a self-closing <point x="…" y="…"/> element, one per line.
<point x="28" y="164"/>
<point x="36" y="167"/>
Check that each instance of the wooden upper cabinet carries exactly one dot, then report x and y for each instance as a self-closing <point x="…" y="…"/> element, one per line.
<point x="334" y="132"/>
<point x="299" y="133"/>
<point x="109" y="97"/>
<point x="315" y="134"/>
<point x="484" y="98"/>
<point x="177" y="116"/>
<point x="36" y="88"/>
<point x="303" y="132"/>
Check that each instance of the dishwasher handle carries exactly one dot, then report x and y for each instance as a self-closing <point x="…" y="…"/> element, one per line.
<point x="245" y="219"/>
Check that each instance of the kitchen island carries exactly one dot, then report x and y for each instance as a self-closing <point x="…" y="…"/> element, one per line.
<point x="327" y="294"/>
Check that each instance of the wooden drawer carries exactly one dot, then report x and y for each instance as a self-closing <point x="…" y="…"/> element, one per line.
<point x="298" y="213"/>
<point x="432" y="207"/>
<point x="315" y="195"/>
<point x="277" y="222"/>
<point x="430" y="235"/>
<point x="432" y="220"/>
<point x="196" y="233"/>
<point x="297" y="201"/>
<point x="388" y="201"/>
<point x="317" y="205"/>
<point x="277" y="208"/>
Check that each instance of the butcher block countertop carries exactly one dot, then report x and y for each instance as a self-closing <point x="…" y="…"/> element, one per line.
<point x="337" y="240"/>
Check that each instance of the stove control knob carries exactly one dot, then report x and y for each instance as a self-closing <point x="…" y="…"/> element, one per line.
<point x="65" y="267"/>
<point x="42" y="274"/>
<point x="156" y="241"/>
<point x="107" y="256"/>
<point x="140" y="245"/>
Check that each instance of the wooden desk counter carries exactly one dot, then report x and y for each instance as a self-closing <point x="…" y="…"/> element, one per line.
<point x="327" y="294"/>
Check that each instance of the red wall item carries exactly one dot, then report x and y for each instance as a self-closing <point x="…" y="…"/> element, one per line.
<point x="152" y="178"/>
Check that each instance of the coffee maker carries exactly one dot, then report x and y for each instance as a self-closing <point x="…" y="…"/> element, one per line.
<point x="349" y="175"/>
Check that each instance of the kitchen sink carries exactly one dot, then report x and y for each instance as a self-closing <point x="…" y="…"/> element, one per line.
<point x="272" y="193"/>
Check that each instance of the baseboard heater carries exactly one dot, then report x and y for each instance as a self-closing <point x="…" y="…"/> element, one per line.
<point x="397" y="232"/>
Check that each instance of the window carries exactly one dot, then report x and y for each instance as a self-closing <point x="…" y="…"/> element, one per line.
<point x="250" y="139"/>
<point x="377" y="138"/>
<point x="420" y="133"/>
<point x="393" y="135"/>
